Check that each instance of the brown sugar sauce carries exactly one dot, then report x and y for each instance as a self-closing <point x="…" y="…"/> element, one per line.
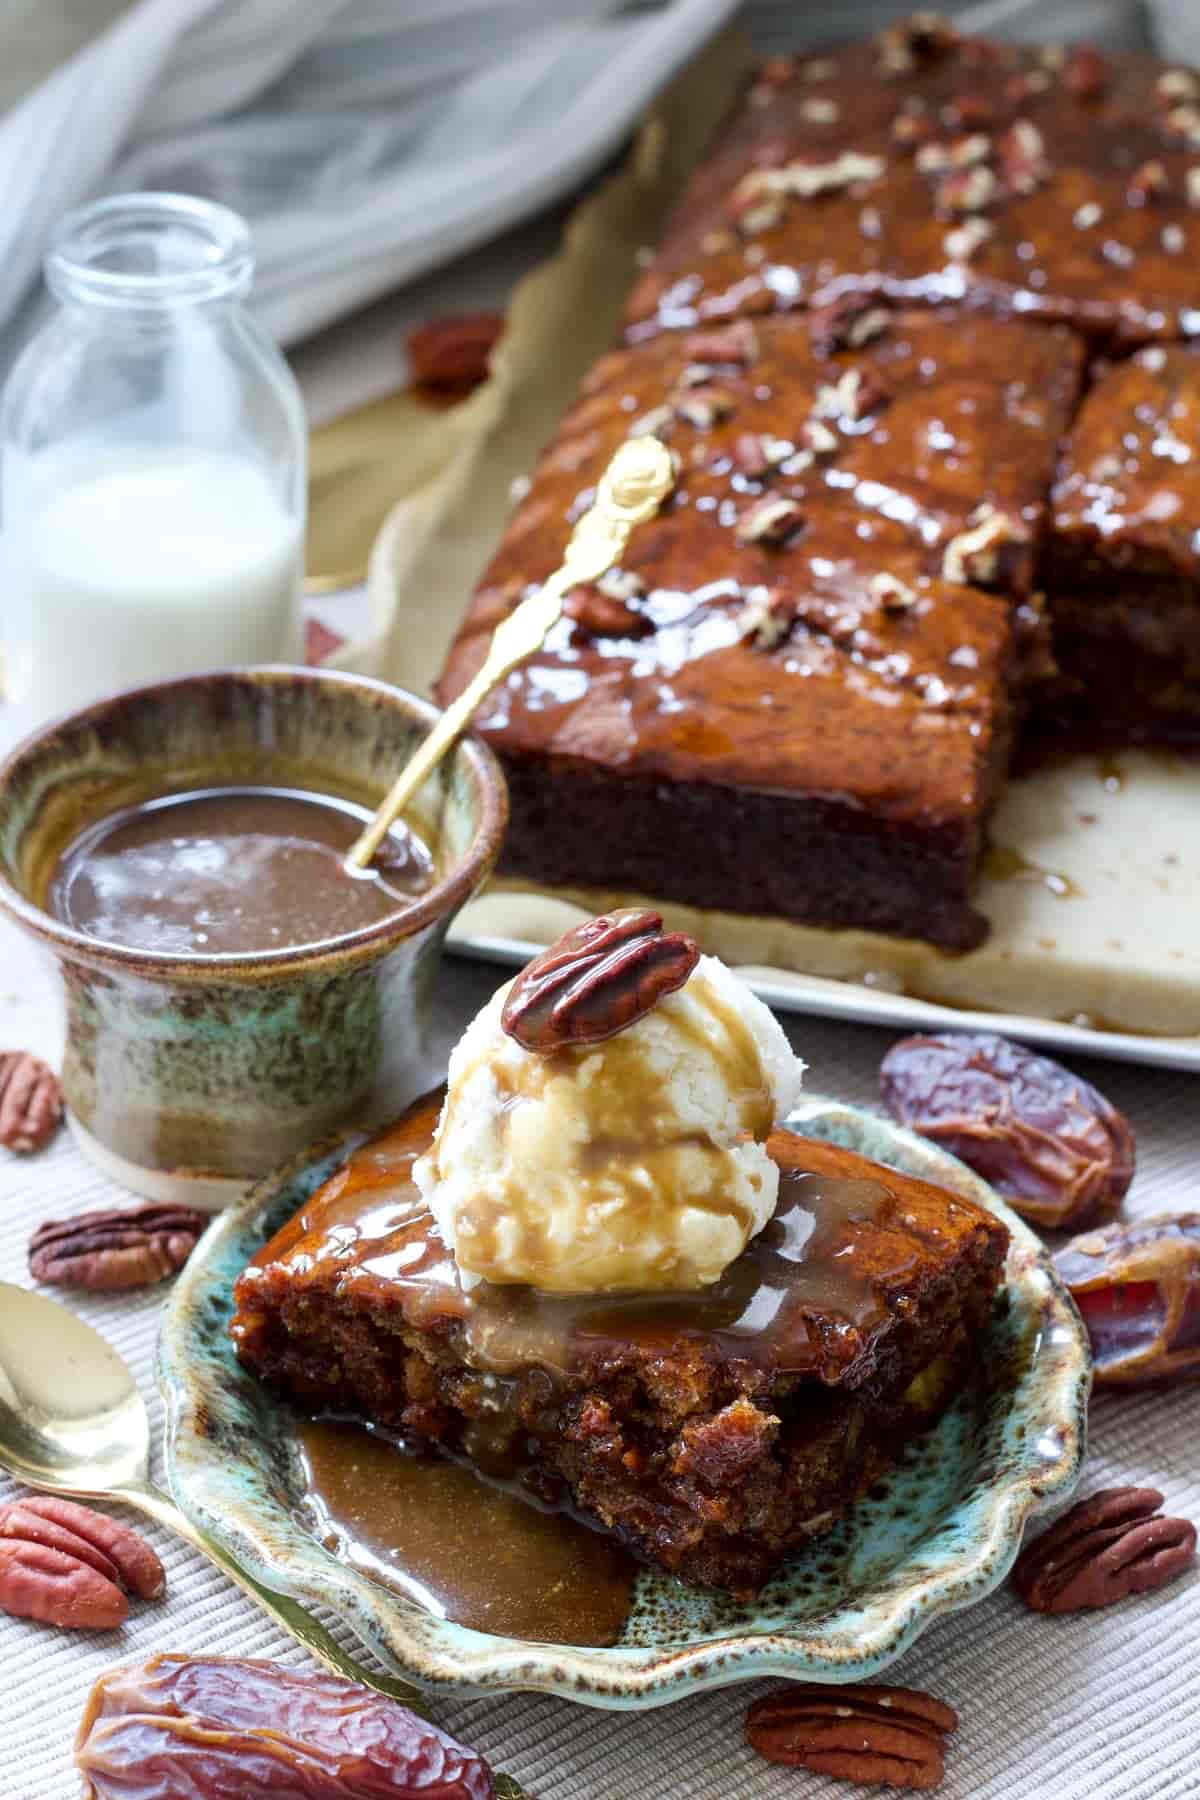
<point x="799" y="1289"/>
<point x="224" y="871"/>
<point x="806" y="1296"/>
<point x="465" y="1548"/>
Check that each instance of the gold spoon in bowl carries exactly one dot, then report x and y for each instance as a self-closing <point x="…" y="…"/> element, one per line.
<point x="73" y="1422"/>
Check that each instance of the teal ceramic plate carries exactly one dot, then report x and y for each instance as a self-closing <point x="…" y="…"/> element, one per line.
<point x="938" y="1533"/>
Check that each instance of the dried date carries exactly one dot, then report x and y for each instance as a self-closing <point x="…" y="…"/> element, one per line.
<point x="1045" y="1139"/>
<point x="220" y="1726"/>
<point x="1137" y="1287"/>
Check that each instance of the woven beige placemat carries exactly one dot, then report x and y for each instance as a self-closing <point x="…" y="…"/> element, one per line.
<point x="1100" y="1707"/>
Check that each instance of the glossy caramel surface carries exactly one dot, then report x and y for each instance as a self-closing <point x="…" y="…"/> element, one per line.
<point x="1128" y="495"/>
<point x="1087" y="243"/>
<point x="899" y="709"/>
<point x="224" y="871"/>
<point x="850" y="1243"/>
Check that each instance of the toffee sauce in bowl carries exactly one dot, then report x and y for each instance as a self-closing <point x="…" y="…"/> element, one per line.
<point x="225" y="871"/>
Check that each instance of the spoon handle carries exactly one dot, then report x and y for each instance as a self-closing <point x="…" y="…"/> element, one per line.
<point x="629" y="492"/>
<point x="289" y="1613"/>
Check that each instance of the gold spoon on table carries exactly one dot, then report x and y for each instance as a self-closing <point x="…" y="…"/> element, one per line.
<point x="72" y="1422"/>
<point x="630" y="491"/>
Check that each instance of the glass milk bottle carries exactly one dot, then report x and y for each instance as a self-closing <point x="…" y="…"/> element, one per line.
<point x="152" y="464"/>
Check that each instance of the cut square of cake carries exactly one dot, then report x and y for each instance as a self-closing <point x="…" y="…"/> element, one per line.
<point x="1122" y="560"/>
<point x="713" y="1432"/>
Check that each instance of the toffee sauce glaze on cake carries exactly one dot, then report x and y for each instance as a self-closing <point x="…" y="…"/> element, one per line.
<point x="477" y="1550"/>
<point x="713" y="1432"/>
<point x="224" y="871"/>
<point x="374" y="1223"/>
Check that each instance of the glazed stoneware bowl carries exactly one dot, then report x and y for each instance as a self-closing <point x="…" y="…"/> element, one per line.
<point x="936" y="1534"/>
<point x="189" y="1076"/>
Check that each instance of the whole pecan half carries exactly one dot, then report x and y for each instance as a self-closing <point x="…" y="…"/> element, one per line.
<point x="1112" y="1544"/>
<point x="889" y="1736"/>
<point x="105" y="1544"/>
<point x="38" y="1582"/>
<point x="126" y="1247"/>
<point x="1137" y="1286"/>
<point x="598" y="979"/>
<point x="31" y="1102"/>
<point x="453" y="352"/>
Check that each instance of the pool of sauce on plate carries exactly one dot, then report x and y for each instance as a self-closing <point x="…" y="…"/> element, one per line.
<point x="465" y="1548"/>
<point x="223" y="871"/>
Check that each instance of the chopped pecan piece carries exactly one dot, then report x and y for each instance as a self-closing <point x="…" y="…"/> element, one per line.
<point x="658" y="422"/>
<point x="1175" y="85"/>
<point x="961" y="244"/>
<point x="770" y="520"/>
<point x="847" y="323"/>
<point x="894" y="595"/>
<point x="1113" y="1544"/>
<point x="967" y="190"/>
<point x="970" y="110"/>
<point x="885" y="1736"/>
<point x="910" y="129"/>
<point x="963" y="153"/>
<point x="600" y="615"/>
<point x="704" y="407"/>
<point x="818" y="439"/>
<point x="736" y="343"/>
<point x="922" y="37"/>
<point x="124" y="1247"/>
<point x="1085" y="72"/>
<point x="820" y="110"/>
<point x="454" y="352"/>
<point x="756" y="453"/>
<point x="1148" y="181"/>
<point x="597" y="980"/>
<point x="1048" y="1140"/>
<point x="1183" y="124"/>
<point x="1137" y="1287"/>
<point x="767" y="617"/>
<point x="855" y="395"/>
<point x="31" y="1102"/>
<point x="977" y="555"/>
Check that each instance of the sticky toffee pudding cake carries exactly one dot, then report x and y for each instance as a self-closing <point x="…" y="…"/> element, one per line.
<point x="813" y="661"/>
<point x="711" y="1428"/>
<point x="909" y="336"/>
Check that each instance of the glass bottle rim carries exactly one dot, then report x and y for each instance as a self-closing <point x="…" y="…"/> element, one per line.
<point x="150" y="250"/>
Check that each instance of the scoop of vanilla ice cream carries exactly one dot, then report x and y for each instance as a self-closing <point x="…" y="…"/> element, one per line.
<point x="633" y="1164"/>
